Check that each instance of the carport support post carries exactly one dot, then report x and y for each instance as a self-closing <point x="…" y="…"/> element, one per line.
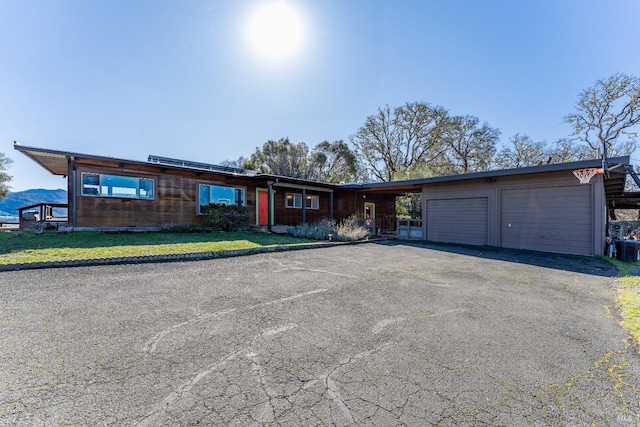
<point x="269" y="206"/>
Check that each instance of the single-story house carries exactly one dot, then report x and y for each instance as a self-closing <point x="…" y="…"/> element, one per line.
<point x="541" y="208"/>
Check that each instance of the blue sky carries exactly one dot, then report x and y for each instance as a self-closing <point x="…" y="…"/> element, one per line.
<point x="178" y="78"/>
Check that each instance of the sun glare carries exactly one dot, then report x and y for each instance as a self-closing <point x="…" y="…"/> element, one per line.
<point x="276" y="30"/>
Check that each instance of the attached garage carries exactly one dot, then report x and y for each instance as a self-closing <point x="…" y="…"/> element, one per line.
<point x="542" y="208"/>
<point x="461" y="220"/>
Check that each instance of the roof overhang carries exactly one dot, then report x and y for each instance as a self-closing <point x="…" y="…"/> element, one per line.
<point x="56" y="162"/>
<point x="624" y="201"/>
<point x="614" y="184"/>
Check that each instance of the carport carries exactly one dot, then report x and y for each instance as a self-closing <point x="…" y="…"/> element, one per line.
<point x="541" y="208"/>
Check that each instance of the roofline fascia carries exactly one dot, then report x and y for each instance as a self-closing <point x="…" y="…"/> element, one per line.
<point x="555" y="167"/>
<point x="25" y="150"/>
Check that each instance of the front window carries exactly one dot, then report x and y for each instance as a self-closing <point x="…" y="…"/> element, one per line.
<point x="129" y="187"/>
<point x="221" y="195"/>
<point x="294" y="200"/>
<point x="312" y="202"/>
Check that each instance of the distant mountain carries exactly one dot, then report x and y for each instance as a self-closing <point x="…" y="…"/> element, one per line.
<point x="9" y="206"/>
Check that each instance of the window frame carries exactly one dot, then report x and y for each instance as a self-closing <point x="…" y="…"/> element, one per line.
<point x="295" y="197"/>
<point x="199" y="205"/>
<point x="311" y="198"/>
<point x="99" y="186"/>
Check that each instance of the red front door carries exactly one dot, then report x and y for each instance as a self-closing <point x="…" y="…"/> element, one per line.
<point x="263" y="207"/>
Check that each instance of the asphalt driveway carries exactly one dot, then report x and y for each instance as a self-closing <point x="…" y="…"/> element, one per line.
<point x="375" y="334"/>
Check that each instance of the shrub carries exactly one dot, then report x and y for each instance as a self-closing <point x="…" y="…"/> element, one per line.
<point x="344" y="231"/>
<point x="317" y="231"/>
<point x="226" y="217"/>
<point x="349" y="229"/>
<point x="185" y="228"/>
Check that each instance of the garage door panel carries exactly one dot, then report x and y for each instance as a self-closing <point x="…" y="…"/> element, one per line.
<point x="557" y="219"/>
<point x="458" y="220"/>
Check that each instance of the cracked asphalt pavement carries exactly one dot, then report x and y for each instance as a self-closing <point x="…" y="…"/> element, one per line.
<point x="379" y="334"/>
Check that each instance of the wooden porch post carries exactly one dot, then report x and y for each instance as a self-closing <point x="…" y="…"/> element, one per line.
<point x="331" y="205"/>
<point x="304" y="206"/>
<point x="72" y="192"/>
<point x="269" y="207"/>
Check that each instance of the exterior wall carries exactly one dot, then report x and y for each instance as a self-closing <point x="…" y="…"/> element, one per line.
<point x="547" y="212"/>
<point x="176" y="198"/>
<point x="293" y="216"/>
<point x="175" y="202"/>
<point x="349" y="202"/>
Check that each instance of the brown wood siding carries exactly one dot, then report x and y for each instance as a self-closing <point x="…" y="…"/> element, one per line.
<point x="293" y="216"/>
<point x="351" y="202"/>
<point x="175" y="203"/>
<point x="461" y="220"/>
<point x="177" y="192"/>
<point x="554" y="219"/>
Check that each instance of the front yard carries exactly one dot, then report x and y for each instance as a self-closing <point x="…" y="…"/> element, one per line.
<point x="30" y="247"/>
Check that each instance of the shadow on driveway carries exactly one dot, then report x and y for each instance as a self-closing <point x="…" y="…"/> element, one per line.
<point x="576" y="263"/>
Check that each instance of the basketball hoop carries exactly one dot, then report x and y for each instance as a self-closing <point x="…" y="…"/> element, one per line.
<point x="585" y="175"/>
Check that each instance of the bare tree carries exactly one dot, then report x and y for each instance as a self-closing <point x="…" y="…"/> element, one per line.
<point x="565" y="150"/>
<point x="470" y="146"/>
<point x="522" y="151"/>
<point x="5" y="178"/>
<point x="398" y="140"/>
<point x="608" y="115"/>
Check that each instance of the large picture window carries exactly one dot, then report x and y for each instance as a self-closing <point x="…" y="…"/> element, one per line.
<point x="220" y="194"/>
<point x="128" y="187"/>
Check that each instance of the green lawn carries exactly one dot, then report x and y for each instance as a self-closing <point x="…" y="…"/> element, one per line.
<point x="32" y="247"/>
<point x="628" y="297"/>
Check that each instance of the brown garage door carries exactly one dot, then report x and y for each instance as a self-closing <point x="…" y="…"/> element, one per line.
<point x="458" y="220"/>
<point x="555" y="219"/>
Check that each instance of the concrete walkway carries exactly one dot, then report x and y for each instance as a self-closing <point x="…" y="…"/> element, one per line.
<point x="379" y="334"/>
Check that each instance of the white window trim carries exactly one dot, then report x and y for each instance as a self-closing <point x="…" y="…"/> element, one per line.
<point x="296" y="196"/>
<point x="311" y="198"/>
